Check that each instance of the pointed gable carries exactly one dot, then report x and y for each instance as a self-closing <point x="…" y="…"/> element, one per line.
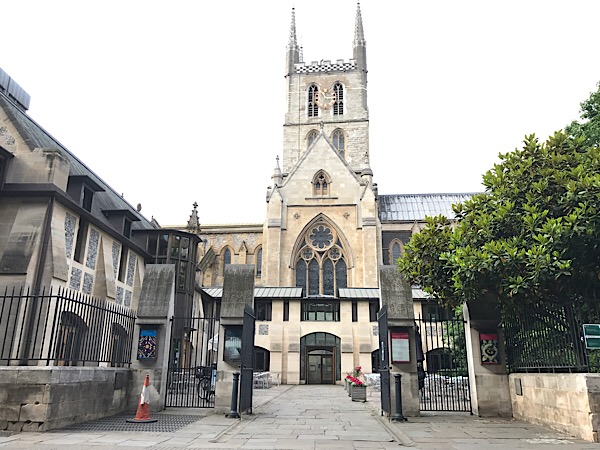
<point x="321" y="158"/>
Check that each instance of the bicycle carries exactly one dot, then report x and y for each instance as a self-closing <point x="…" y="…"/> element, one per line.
<point x="205" y="387"/>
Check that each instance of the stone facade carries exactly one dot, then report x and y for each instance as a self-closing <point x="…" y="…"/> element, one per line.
<point x="567" y="402"/>
<point x="43" y="398"/>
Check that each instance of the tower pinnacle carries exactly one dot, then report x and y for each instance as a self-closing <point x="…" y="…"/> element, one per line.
<point x="359" y="34"/>
<point x="292" y="55"/>
<point x="292" y="42"/>
<point x="359" y="44"/>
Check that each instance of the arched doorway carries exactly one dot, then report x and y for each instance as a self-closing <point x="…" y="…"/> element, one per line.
<point x="320" y="358"/>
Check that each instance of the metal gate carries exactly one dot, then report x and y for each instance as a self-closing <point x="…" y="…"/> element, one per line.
<point x="247" y="363"/>
<point x="384" y="363"/>
<point x="446" y="383"/>
<point x="192" y="368"/>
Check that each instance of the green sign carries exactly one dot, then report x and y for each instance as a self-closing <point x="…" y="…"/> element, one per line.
<point x="591" y="333"/>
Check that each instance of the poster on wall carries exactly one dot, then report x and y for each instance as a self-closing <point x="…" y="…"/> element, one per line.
<point x="400" y="347"/>
<point x="488" y="343"/>
<point x="147" y="344"/>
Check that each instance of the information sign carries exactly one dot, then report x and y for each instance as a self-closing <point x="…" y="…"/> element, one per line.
<point x="400" y="347"/>
<point x="591" y="333"/>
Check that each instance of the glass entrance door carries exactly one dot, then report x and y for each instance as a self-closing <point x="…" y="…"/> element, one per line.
<point x="320" y="367"/>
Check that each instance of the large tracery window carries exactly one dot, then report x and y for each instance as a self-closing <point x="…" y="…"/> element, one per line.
<point x="310" y="138"/>
<point x="313" y="108"/>
<point x="321" y="267"/>
<point x="339" y="142"/>
<point x="338" y="104"/>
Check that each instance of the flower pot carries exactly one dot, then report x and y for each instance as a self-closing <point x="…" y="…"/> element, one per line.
<point x="359" y="393"/>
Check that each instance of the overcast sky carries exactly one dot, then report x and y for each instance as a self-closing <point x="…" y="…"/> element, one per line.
<point x="183" y="101"/>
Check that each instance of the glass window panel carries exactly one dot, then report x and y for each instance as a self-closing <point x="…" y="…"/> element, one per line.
<point x="313" y="278"/>
<point x="185" y="244"/>
<point x="328" y="284"/>
<point x="341" y="276"/>
<point x="301" y="275"/>
<point x="152" y="242"/>
<point x="163" y="244"/>
<point x="182" y="275"/>
<point x="175" y="246"/>
<point x="227" y="257"/>
<point x="259" y="263"/>
<point x="395" y="252"/>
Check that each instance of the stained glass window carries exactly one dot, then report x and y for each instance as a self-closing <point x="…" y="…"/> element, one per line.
<point x="341" y="276"/>
<point x="313" y="277"/>
<point x="321" y="267"/>
<point x="328" y="283"/>
<point x="321" y="237"/>
<point x="147" y="344"/>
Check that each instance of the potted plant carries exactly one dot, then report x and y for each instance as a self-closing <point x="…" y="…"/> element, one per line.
<point x="358" y="387"/>
<point x="359" y="391"/>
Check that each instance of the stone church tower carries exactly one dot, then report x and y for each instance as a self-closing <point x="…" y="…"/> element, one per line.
<point x="322" y="230"/>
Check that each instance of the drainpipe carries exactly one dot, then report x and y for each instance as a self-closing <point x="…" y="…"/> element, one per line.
<point x="37" y="281"/>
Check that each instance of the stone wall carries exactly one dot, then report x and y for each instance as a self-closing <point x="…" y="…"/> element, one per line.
<point x="43" y="398"/>
<point x="566" y="402"/>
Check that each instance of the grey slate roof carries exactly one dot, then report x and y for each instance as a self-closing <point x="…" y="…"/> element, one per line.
<point x="262" y="292"/>
<point x="411" y="207"/>
<point x="296" y="292"/>
<point x="36" y="137"/>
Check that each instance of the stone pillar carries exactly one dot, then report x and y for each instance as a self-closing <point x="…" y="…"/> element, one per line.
<point x="238" y="290"/>
<point x="396" y="293"/>
<point x="490" y="394"/>
<point x="156" y="306"/>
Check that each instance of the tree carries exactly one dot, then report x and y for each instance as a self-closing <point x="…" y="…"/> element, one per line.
<point x="533" y="234"/>
<point x="590" y="127"/>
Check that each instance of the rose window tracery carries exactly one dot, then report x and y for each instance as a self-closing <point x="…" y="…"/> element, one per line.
<point x="321" y="267"/>
<point x="321" y="237"/>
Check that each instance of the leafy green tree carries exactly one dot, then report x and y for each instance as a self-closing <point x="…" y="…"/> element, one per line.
<point x="589" y="128"/>
<point x="534" y="233"/>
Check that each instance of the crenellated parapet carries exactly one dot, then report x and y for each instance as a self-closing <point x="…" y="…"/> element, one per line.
<point x="325" y="66"/>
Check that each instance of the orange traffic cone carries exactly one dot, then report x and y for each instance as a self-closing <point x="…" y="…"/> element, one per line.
<point x="143" y="410"/>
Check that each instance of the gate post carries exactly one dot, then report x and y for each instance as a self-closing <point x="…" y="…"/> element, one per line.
<point x="156" y="306"/>
<point x="488" y="375"/>
<point x="238" y="291"/>
<point x="396" y="294"/>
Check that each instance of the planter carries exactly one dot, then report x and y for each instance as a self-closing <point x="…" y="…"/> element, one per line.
<point x="359" y="393"/>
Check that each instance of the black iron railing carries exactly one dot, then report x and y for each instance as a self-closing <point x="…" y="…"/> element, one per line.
<point x="62" y="327"/>
<point x="546" y="337"/>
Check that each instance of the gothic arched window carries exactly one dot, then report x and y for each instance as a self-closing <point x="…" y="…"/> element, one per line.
<point x="259" y="262"/>
<point x="321" y="267"/>
<point x="313" y="108"/>
<point x="227" y="257"/>
<point x="396" y="250"/>
<point x="338" y="104"/>
<point x="321" y="182"/>
<point x="310" y="137"/>
<point x="339" y="141"/>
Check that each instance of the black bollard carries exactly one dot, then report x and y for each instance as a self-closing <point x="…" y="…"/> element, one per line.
<point x="234" y="414"/>
<point x="397" y="416"/>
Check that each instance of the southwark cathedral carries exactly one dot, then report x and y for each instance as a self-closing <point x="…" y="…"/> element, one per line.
<point x="316" y="257"/>
<point x="326" y="232"/>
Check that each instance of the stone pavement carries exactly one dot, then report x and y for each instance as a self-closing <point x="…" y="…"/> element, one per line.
<point x="298" y="417"/>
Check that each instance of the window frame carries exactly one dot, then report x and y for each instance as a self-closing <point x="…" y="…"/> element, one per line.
<point x="312" y="109"/>
<point x="338" y="104"/>
<point x="338" y="136"/>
